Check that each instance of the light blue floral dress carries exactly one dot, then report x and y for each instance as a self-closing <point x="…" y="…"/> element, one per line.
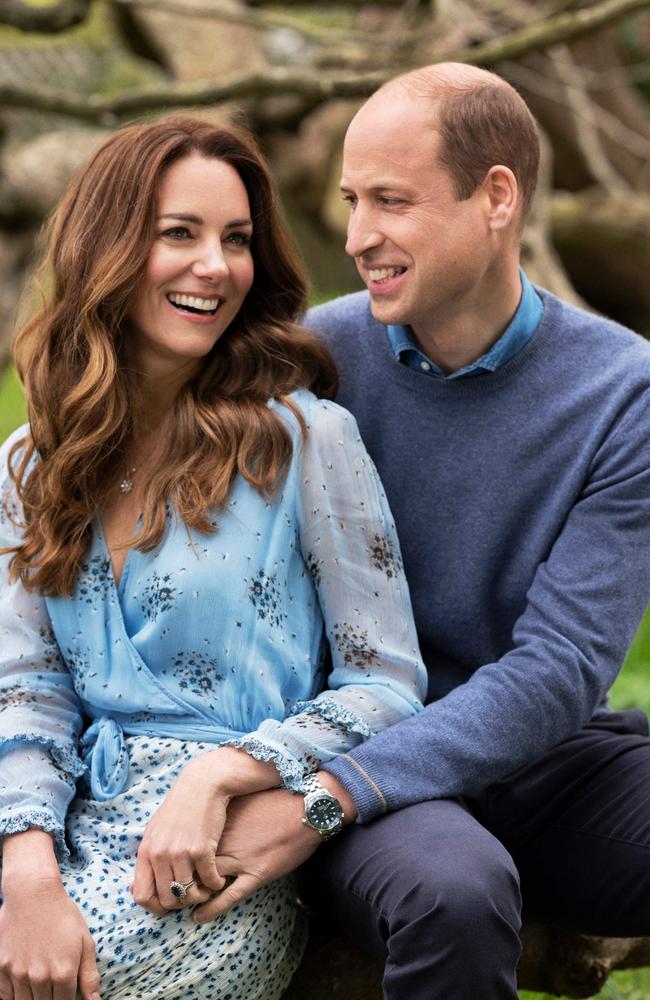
<point x="207" y="639"/>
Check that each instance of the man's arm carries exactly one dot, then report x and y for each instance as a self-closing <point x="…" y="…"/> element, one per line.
<point x="583" y="608"/>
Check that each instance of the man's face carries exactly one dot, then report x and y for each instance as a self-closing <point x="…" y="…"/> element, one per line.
<point x="423" y="254"/>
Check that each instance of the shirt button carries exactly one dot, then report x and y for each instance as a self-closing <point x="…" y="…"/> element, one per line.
<point x="425" y="366"/>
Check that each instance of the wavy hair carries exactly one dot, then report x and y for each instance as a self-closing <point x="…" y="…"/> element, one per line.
<point x="80" y="391"/>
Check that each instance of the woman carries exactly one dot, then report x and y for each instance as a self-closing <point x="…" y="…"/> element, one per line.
<point x="183" y="521"/>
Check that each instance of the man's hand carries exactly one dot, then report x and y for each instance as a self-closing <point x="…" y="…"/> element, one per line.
<point x="263" y="839"/>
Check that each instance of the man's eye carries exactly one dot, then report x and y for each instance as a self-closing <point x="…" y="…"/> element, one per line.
<point x="349" y="199"/>
<point x="240" y="239"/>
<point x="390" y="201"/>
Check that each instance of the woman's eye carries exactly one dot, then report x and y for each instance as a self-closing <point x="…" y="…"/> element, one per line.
<point x="177" y="233"/>
<point x="240" y="239"/>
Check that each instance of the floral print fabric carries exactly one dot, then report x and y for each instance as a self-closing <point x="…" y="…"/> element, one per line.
<point x="215" y="638"/>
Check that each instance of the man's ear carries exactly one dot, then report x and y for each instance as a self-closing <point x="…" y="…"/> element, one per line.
<point x="500" y="186"/>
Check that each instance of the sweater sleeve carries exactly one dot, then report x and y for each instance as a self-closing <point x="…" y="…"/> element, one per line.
<point x="350" y="548"/>
<point x="40" y="714"/>
<point x="583" y="608"/>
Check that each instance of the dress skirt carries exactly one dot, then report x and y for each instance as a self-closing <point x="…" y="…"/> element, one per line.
<point x="250" y="953"/>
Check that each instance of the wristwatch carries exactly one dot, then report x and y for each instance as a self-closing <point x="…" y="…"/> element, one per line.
<point x="323" y="811"/>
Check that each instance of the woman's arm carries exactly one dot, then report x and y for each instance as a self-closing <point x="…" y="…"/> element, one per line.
<point x="40" y="713"/>
<point x="181" y="840"/>
<point x="44" y="941"/>
<point x="350" y="547"/>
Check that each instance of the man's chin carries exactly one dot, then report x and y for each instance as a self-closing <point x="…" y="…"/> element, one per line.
<point x="387" y="313"/>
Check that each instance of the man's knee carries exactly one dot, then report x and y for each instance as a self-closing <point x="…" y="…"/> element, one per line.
<point x="429" y="863"/>
<point x="461" y="887"/>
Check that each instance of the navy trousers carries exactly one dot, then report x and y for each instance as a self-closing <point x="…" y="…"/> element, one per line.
<point x="436" y="889"/>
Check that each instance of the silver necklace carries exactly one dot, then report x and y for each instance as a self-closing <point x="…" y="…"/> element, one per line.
<point x="127" y="483"/>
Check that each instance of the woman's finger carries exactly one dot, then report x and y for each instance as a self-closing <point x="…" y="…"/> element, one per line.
<point x="163" y="874"/>
<point x="22" y="989"/>
<point x="191" y="890"/>
<point x="41" y="986"/>
<point x="144" y="889"/>
<point x="89" y="985"/>
<point x="6" y="988"/>
<point x="64" y="987"/>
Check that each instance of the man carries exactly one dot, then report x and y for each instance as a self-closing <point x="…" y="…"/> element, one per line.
<point x="512" y="433"/>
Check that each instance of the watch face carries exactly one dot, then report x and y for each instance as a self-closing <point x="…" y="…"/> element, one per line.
<point x="324" y="814"/>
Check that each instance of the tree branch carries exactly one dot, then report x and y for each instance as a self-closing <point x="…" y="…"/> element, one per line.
<point x="549" y="31"/>
<point x="51" y="19"/>
<point x="260" y="19"/>
<point x="584" y="114"/>
<point x="315" y="87"/>
<point x="272" y="82"/>
<point x="549" y="89"/>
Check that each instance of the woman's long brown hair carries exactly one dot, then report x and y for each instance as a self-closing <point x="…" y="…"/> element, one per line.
<point x="80" y="390"/>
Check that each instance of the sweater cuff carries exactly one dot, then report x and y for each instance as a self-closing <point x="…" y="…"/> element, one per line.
<point x="351" y="772"/>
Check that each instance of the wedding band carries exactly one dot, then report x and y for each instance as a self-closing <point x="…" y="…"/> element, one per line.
<point x="179" y="889"/>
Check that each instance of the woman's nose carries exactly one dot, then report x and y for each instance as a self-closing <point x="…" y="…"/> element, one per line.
<point x="210" y="264"/>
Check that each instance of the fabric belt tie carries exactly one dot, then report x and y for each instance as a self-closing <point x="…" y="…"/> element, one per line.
<point x="107" y="759"/>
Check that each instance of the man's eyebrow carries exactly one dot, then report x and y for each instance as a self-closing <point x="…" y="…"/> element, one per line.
<point x="395" y="187"/>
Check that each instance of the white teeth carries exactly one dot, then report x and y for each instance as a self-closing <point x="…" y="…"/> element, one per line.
<point x="208" y="305"/>
<point x="381" y="273"/>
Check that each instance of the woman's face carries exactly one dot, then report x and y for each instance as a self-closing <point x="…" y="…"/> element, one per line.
<point x="199" y="268"/>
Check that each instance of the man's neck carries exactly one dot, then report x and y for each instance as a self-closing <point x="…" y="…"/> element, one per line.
<point x="463" y="336"/>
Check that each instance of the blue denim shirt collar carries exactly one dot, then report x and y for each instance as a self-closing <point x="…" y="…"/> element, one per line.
<point x="515" y="336"/>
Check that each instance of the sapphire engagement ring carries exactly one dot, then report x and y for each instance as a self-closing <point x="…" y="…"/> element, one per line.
<point x="179" y="889"/>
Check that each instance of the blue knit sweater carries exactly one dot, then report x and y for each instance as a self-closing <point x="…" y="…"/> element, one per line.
<point x="522" y="501"/>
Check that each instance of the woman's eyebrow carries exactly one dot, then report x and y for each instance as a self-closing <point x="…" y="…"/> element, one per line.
<point x="196" y="219"/>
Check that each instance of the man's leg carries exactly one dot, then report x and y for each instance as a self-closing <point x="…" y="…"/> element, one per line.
<point x="435" y="894"/>
<point x="577" y="822"/>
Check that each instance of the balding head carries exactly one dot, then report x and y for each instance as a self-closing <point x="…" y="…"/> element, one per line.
<point x="442" y="80"/>
<point x="481" y="120"/>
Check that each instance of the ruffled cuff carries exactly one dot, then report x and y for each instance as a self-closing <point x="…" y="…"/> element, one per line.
<point x="42" y="820"/>
<point x="330" y="709"/>
<point x="291" y="772"/>
<point x="63" y="754"/>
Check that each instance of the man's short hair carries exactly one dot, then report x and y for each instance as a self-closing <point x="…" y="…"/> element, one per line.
<point x="482" y="122"/>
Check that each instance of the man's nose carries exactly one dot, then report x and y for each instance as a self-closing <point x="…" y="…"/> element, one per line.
<point x="363" y="234"/>
<point x="210" y="263"/>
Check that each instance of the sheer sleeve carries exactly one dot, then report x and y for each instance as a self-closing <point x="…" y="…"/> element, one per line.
<point x="40" y="714"/>
<point x="350" y="548"/>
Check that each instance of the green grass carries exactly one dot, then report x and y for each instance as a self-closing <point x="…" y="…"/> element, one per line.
<point x="632" y="690"/>
<point x="12" y="404"/>
<point x="632" y="985"/>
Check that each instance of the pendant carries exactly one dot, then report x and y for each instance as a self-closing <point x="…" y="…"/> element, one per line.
<point x="127" y="483"/>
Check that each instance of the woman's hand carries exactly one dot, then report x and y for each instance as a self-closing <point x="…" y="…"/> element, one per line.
<point x="46" y="951"/>
<point x="181" y="840"/>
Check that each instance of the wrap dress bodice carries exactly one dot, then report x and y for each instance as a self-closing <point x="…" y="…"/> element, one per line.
<point x="222" y="637"/>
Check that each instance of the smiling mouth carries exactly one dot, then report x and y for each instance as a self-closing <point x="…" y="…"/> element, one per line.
<point x="380" y="274"/>
<point x="194" y="304"/>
